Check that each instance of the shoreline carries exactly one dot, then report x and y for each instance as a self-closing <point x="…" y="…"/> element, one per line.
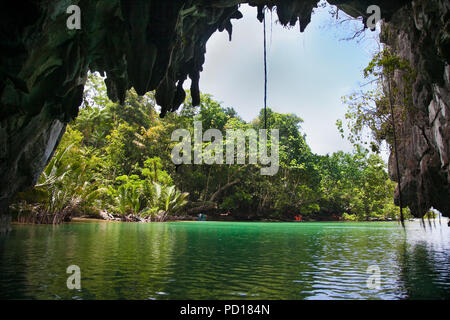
<point x="92" y="219"/>
<point x="82" y="219"/>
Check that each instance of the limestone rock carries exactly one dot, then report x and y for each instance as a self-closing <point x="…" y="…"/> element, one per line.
<point x="419" y="33"/>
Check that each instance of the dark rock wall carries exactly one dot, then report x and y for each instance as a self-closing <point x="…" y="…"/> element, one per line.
<point x="150" y="45"/>
<point x="42" y="75"/>
<point x="420" y="33"/>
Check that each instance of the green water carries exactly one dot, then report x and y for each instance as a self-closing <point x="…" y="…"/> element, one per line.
<point x="226" y="260"/>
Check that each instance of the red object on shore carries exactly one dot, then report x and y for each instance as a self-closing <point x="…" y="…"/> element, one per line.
<point x="298" y="218"/>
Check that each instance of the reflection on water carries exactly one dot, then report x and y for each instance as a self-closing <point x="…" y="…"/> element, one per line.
<point x="226" y="260"/>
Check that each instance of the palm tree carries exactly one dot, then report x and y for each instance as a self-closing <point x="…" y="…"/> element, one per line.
<point x="163" y="200"/>
<point x="55" y="171"/>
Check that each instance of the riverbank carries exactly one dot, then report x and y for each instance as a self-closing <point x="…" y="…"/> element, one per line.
<point x="194" y="219"/>
<point x="107" y="217"/>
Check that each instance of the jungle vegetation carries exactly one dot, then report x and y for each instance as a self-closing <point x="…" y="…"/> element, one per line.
<point x="115" y="161"/>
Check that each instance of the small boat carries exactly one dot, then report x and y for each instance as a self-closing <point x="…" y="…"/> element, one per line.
<point x="201" y="217"/>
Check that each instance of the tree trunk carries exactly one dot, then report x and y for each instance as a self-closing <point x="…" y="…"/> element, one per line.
<point x="202" y="208"/>
<point x="219" y="191"/>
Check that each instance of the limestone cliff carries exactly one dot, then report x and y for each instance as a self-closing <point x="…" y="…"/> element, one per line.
<point x="420" y="33"/>
<point x="156" y="45"/>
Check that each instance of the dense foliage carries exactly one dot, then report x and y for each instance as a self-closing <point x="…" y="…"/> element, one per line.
<point x="382" y="109"/>
<point x="116" y="160"/>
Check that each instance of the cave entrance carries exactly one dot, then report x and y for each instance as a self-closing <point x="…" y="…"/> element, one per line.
<point x="35" y="116"/>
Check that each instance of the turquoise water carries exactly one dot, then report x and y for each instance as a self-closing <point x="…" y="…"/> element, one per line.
<point x="226" y="260"/>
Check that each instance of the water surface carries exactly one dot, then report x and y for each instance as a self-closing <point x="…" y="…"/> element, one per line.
<point x="226" y="260"/>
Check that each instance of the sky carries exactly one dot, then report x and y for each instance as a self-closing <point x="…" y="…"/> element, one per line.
<point x="308" y="72"/>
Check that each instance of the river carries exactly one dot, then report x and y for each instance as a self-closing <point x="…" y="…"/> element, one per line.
<point x="227" y="260"/>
